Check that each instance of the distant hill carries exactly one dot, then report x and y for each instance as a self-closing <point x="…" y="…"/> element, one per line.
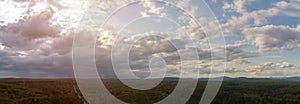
<point x="225" y="78"/>
<point x="245" y="79"/>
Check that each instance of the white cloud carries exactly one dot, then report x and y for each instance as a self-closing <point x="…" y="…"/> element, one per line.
<point x="238" y="6"/>
<point x="283" y="65"/>
<point x="240" y="61"/>
<point x="270" y="66"/>
<point x="252" y="26"/>
<point x="273" y="38"/>
<point x="281" y="4"/>
<point x="235" y="24"/>
<point x="152" y="8"/>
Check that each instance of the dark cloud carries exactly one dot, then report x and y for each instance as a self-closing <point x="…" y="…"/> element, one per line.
<point x="237" y="51"/>
<point x="33" y="47"/>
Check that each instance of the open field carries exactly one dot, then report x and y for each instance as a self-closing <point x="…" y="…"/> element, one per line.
<point x="64" y="91"/>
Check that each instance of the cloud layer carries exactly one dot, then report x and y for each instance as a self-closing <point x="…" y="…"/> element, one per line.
<point x="39" y="42"/>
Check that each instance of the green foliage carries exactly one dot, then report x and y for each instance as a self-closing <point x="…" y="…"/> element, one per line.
<point x="62" y="91"/>
<point x="29" y="91"/>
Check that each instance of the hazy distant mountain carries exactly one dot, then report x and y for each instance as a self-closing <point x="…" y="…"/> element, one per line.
<point x="245" y="79"/>
<point x="225" y="78"/>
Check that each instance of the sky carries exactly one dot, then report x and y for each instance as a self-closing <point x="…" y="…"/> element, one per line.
<point x="262" y="37"/>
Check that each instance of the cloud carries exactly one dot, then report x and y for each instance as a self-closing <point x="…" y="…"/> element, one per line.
<point x="282" y="4"/>
<point x="273" y="38"/>
<point x="195" y="31"/>
<point x="33" y="47"/>
<point x="236" y="51"/>
<point x="63" y="44"/>
<point x="240" y="61"/>
<point x="238" y="6"/>
<point x="35" y="65"/>
<point x="145" y="48"/>
<point x="141" y="48"/>
<point x="152" y="8"/>
<point x="155" y="44"/>
<point x="40" y="44"/>
<point x="252" y="26"/>
<point x="28" y="32"/>
<point x="268" y="69"/>
<point x="289" y="8"/>
<point x="283" y="65"/>
<point x="265" y="69"/>
<point x="235" y="23"/>
<point x="271" y="66"/>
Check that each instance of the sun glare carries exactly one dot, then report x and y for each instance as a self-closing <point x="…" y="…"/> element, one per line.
<point x="10" y="12"/>
<point x="39" y="7"/>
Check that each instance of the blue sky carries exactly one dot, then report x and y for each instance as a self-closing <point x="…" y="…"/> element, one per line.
<point x="261" y="36"/>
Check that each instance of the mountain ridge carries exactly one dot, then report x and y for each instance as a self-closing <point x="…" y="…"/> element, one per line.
<point x="225" y="78"/>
